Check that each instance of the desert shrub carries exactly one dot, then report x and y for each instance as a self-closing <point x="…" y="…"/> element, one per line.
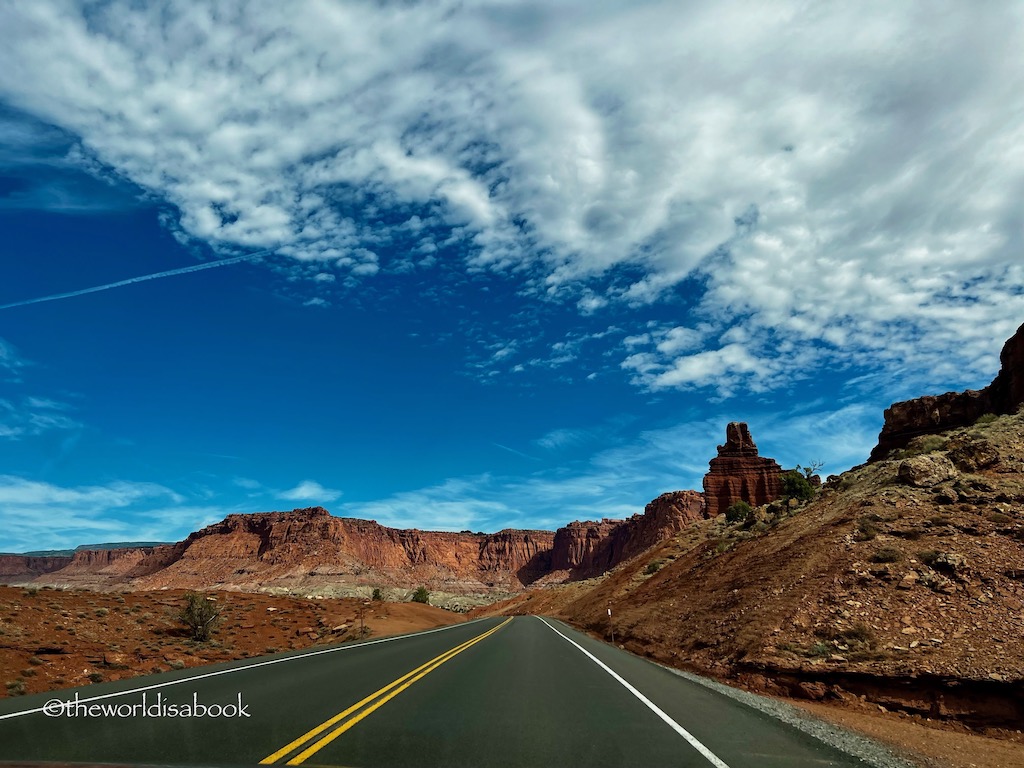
<point x="101" y="612"/>
<point x="887" y="555"/>
<point x="421" y="595"/>
<point x="199" y="615"/>
<point x="95" y="677"/>
<point x="176" y="664"/>
<point x="998" y="517"/>
<point x="866" y="530"/>
<point x="377" y="594"/>
<point x="929" y="557"/>
<point x="986" y="418"/>
<point x="738" y="512"/>
<point x="653" y="567"/>
<point x="796" y="486"/>
<point x="16" y="688"/>
<point x="859" y="635"/>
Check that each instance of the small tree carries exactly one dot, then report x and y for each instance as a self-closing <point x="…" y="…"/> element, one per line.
<point x="811" y="469"/>
<point x="738" y="512"/>
<point x="421" y="595"/>
<point x="377" y="594"/>
<point x="200" y="615"/>
<point x="796" y="486"/>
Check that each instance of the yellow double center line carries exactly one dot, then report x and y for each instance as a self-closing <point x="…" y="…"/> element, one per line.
<point x="312" y="741"/>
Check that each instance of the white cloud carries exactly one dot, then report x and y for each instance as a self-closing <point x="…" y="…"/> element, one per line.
<point x="39" y="515"/>
<point x="618" y="481"/>
<point x="33" y="416"/>
<point x="309" y="490"/>
<point x="843" y="176"/>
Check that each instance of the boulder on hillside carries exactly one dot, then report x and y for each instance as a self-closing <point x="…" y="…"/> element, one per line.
<point x="926" y="471"/>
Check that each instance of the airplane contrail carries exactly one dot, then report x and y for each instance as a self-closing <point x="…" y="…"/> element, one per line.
<point x="139" y="279"/>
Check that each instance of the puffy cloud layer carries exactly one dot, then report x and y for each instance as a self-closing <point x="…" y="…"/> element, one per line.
<point x="841" y="182"/>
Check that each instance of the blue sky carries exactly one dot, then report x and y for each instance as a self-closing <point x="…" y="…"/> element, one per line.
<point x="506" y="264"/>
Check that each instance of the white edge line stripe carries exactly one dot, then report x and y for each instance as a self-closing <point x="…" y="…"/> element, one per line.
<point x="707" y="753"/>
<point x="245" y="667"/>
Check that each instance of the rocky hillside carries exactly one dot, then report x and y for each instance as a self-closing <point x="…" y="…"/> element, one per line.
<point x="901" y="583"/>
<point x="926" y="415"/>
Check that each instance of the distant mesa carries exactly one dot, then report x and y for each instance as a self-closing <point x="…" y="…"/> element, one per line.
<point x="937" y="413"/>
<point x="738" y="473"/>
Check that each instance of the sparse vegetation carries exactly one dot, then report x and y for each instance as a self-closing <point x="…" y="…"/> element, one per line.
<point x="796" y="486"/>
<point x="985" y="418"/>
<point x="887" y="555"/>
<point x="16" y="688"/>
<point x="653" y="567"/>
<point x="199" y="615"/>
<point x="921" y="445"/>
<point x="929" y="557"/>
<point x="998" y="517"/>
<point x="866" y="530"/>
<point x="377" y="594"/>
<point x="421" y="595"/>
<point x="738" y="512"/>
<point x="95" y="677"/>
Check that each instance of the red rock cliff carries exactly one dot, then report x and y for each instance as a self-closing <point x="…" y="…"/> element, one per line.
<point x="591" y="548"/>
<point x="310" y="547"/>
<point x="737" y="473"/>
<point x="937" y="413"/>
<point x="18" y="568"/>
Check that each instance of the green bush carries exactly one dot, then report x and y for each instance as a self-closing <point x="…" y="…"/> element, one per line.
<point x="377" y="594"/>
<point x="653" y="567"/>
<point x="421" y="595"/>
<point x="796" y="486"/>
<point x="200" y="616"/>
<point x="986" y="418"/>
<point x="738" y="512"/>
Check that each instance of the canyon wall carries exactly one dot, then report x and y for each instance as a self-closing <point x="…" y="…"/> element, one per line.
<point x="936" y="413"/>
<point x="17" y="568"/>
<point x="588" y="549"/>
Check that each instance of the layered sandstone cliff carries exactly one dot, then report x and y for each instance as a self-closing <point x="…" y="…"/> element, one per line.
<point x="17" y="568"/>
<point x="738" y="473"/>
<point x="590" y="548"/>
<point x="936" y="413"/>
<point x="310" y="549"/>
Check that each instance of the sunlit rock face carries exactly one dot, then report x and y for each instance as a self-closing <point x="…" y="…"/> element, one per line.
<point x="936" y="413"/>
<point x="738" y="473"/>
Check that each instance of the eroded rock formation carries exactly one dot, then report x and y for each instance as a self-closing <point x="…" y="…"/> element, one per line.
<point x="738" y="473"/>
<point x="17" y="568"/>
<point x="312" y="549"/>
<point x="937" y="413"/>
<point x="590" y="548"/>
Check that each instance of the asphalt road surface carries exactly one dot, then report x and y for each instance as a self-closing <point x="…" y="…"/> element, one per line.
<point x="525" y="691"/>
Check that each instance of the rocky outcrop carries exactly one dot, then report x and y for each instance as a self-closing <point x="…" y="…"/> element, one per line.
<point x="590" y="548"/>
<point x="738" y="473"/>
<point x="937" y="413"/>
<point x="310" y="549"/>
<point x="15" y="569"/>
<point x="92" y="568"/>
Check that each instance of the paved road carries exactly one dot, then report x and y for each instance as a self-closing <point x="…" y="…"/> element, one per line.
<point x="496" y="692"/>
